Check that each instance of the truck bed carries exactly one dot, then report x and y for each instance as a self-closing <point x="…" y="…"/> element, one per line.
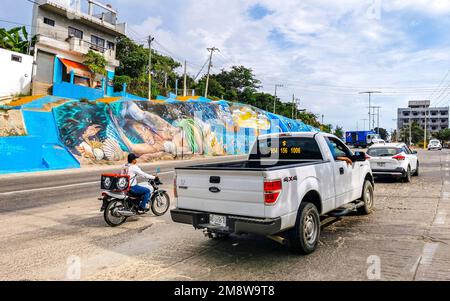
<point x="254" y="165"/>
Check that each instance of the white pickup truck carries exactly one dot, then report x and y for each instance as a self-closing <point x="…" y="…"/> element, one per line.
<point x="289" y="183"/>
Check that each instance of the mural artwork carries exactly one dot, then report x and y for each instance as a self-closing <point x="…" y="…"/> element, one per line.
<point x="11" y="123"/>
<point x="97" y="132"/>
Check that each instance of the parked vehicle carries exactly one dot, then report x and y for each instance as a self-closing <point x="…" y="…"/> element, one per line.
<point x="119" y="203"/>
<point x="394" y="160"/>
<point x="362" y="139"/>
<point x="435" y="145"/>
<point x="288" y="182"/>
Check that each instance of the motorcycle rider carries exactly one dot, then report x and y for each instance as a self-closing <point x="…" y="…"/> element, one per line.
<point x="133" y="170"/>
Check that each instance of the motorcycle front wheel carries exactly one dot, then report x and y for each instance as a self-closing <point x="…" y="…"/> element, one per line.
<point x="160" y="203"/>
<point x="112" y="218"/>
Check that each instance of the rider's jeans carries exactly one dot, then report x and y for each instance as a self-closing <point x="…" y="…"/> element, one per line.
<point x="142" y="191"/>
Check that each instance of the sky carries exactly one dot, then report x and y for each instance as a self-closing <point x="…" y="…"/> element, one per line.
<point x="323" y="51"/>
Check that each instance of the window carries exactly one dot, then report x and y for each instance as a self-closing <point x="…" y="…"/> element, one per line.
<point x="98" y="43"/>
<point x="383" y="152"/>
<point x="16" y="58"/>
<point x="290" y="148"/>
<point x="337" y="148"/>
<point x="73" y="32"/>
<point x="111" y="45"/>
<point x="49" y="22"/>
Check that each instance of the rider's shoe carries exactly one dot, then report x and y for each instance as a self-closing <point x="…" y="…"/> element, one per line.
<point x="142" y="211"/>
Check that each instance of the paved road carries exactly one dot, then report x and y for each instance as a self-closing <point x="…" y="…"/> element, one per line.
<point x="46" y="234"/>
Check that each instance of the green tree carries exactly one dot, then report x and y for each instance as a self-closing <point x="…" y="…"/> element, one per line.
<point x="443" y="135"/>
<point x="237" y="82"/>
<point x="134" y="65"/>
<point x="384" y="134"/>
<point x="339" y="132"/>
<point x="15" y="39"/>
<point x="96" y="62"/>
<point x="417" y="133"/>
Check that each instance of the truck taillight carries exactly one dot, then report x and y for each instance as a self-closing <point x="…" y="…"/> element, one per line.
<point x="399" y="158"/>
<point x="272" y="191"/>
<point x="175" y="189"/>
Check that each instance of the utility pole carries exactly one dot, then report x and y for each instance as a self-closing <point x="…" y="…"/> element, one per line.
<point x="425" y="142"/>
<point x="323" y="116"/>
<point x="293" y="105"/>
<point x="364" y="120"/>
<point x="370" y="102"/>
<point x="185" y="79"/>
<point x="297" y="103"/>
<point x="410" y="127"/>
<point x="275" y="99"/>
<point x="150" y="40"/>
<point x="211" y="50"/>
<point x="378" y="118"/>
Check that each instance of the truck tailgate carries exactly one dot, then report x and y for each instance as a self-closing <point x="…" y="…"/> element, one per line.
<point x="224" y="192"/>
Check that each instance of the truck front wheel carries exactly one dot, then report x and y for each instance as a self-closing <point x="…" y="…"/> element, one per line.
<point x="304" y="237"/>
<point x="367" y="198"/>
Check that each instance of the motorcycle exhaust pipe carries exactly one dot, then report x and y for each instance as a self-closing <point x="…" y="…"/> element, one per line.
<point x="125" y="213"/>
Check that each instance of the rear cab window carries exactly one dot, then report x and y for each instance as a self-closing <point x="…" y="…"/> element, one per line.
<point x="284" y="149"/>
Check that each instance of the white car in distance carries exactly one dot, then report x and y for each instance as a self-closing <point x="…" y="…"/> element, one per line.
<point x="393" y="160"/>
<point x="435" y="144"/>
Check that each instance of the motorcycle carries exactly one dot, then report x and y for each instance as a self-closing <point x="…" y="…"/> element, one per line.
<point x="119" y="203"/>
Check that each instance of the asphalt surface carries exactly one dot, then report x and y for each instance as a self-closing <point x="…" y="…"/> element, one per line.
<point x="53" y="230"/>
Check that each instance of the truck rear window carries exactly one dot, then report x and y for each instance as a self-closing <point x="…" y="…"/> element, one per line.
<point x="291" y="148"/>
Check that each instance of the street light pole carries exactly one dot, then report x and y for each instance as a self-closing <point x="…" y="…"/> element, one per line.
<point x="275" y="99"/>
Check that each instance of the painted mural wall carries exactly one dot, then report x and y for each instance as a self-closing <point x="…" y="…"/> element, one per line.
<point x="99" y="132"/>
<point x="11" y="123"/>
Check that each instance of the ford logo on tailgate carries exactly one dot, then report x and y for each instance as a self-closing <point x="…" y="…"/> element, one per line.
<point x="214" y="189"/>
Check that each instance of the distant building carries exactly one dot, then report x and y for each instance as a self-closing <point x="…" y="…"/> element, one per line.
<point x="437" y="118"/>
<point x="66" y="30"/>
<point x="15" y="73"/>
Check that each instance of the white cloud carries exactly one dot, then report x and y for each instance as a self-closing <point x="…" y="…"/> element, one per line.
<point x="324" y="52"/>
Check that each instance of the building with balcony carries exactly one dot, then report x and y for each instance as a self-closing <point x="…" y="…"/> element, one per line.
<point x="437" y="119"/>
<point x="66" y="31"/>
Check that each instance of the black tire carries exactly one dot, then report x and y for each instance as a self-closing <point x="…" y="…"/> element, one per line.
<point x="304" y="237"/>
<point x="108" y="214"/>
<point x="160" y="203"/>
<point x="417" y="172"/>
<point x="367" y="198"/>
<point x="407" y="178"/>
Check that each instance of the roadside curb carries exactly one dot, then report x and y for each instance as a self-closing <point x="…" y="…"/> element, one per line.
<point x="85" y="169"/>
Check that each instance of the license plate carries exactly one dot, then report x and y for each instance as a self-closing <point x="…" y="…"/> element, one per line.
<point x="381" y="164"/>
<point x="218" y="220"/>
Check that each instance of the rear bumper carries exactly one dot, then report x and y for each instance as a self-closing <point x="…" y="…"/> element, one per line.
<point x="398" y="172"/>
<point x="235" y="224"/>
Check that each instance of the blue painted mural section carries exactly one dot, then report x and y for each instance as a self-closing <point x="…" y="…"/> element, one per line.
<point x="21" y="154"/>
<point x="110" y="83"/>
<point x="58" y="71"/>
<point x="64" y="89"/>
<point x="54" y="154"/>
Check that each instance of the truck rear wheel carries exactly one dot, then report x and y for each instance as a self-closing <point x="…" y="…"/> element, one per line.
<point x="304" y="237"/>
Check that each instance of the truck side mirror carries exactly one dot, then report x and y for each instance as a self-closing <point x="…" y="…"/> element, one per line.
<point x="359" y="157"/>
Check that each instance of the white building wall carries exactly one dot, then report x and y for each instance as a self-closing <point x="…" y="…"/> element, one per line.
<point x="15" y="77"/>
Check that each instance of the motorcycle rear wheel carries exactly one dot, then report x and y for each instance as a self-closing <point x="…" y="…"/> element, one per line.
<point x="111" y="219"/>
<point x="160" y="203"/>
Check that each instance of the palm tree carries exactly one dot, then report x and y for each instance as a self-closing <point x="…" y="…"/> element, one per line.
<point x="15" y="39"/>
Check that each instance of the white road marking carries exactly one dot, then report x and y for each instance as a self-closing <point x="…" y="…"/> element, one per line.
<point x="440" y="218"/>
<point x="428" y="253"/>
<point x="62" y="187"/>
